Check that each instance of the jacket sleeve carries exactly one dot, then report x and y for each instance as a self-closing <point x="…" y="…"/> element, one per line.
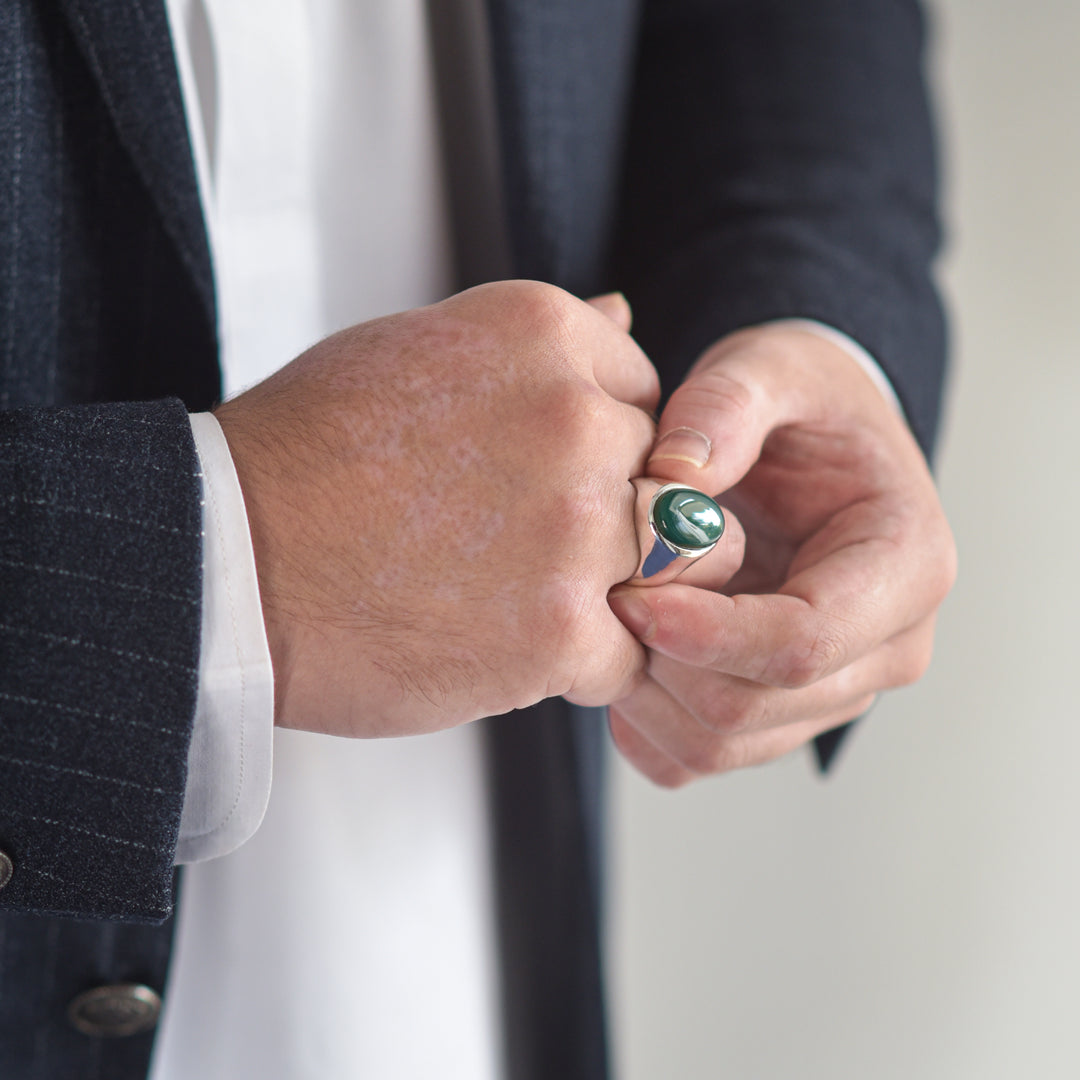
<point x="100" y="592"/>
<point x="781" y="162"/>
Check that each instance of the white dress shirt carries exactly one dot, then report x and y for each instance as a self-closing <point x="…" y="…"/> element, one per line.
<point x="350" y="933"/>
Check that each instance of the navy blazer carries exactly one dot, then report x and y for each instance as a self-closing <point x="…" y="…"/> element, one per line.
<point x="723" y="163"/>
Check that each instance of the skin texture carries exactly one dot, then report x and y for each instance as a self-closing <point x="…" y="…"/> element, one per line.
<point x="848" y="557"/>
<point x="440" y="502"/>
<point x="442" y="506"/>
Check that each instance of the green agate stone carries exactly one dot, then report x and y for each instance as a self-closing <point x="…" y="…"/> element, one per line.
<point x="686" y="518"/>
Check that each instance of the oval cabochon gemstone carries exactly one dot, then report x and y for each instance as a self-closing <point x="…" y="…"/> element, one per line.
<point x="688" y="519"/>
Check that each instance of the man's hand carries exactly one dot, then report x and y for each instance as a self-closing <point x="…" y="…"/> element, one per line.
<point x="848" y="556"/>
<point x="439" y="504"/>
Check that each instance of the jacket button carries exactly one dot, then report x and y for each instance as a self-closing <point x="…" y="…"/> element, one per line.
<point x="6" y="868"/>
<point x="123" y="1009"/>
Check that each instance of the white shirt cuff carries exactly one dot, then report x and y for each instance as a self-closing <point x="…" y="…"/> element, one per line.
<point x="853" y="349"/>
<point x="230" y="760"/>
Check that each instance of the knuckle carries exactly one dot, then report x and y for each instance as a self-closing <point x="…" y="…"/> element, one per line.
<point x="732" y="717"/>
<point x="560" y="616"/>
<point x="578" y="505"/>
<point x="586" y="412"/>
<point x="548" y="309"/>
<point x="941" y="559"/>
<point x="715" y="390"/>
<point x="808" y="658"/>
<point x="574" y="416"/>
<point x="634" y="678"/>
<point x="913" y="666"/>
<point x="947" y="565"/>
<point x="704" y="759"/>
<point x="718" y="756"/>
<point x="747" y="710"/>
<point x="862" y="706"/>
<point x="619" y="673"/>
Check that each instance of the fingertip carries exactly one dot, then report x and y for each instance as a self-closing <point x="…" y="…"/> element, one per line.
<point x="643" y="755"/>
<point x="617" y="665"/>
<point x="711" y="430"/>
<point x="616" y="307"/>
<point x="682" y="444"/>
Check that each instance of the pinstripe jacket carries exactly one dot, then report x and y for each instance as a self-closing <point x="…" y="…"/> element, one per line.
<point x="722" y="162"/>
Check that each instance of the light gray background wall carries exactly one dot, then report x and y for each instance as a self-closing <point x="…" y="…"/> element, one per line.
<point x="918" y="915"/>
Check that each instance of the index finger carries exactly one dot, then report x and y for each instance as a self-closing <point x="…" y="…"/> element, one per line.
<point x="825" y="617"/>
<point x="619" y="366"/>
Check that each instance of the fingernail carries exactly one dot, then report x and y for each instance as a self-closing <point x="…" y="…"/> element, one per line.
<point x="683" y="444"/>
<point x="634" y="613"/>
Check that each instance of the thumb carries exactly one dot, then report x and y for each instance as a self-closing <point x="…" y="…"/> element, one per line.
<point x="615" y="306"/>
<point x="713" y="427"/>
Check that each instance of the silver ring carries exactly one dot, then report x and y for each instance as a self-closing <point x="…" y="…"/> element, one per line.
<point x="685" y="524"/>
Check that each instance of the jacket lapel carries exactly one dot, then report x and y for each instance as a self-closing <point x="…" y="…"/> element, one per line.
<point x="561" y="72"/>
<point x="127" y="47"/>
<point x="545" y="798"/>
